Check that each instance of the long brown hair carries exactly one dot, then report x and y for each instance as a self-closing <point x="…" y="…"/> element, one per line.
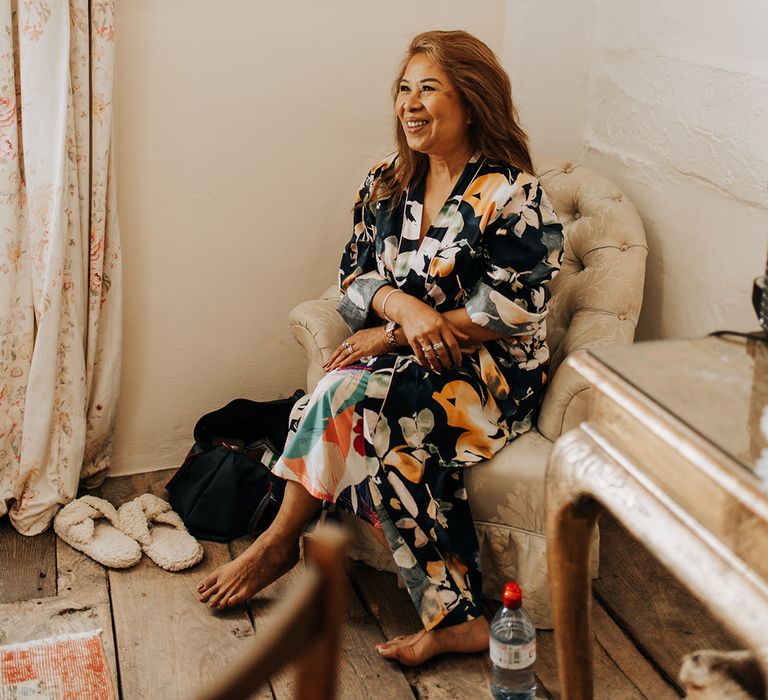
<point x="484" y="88"/>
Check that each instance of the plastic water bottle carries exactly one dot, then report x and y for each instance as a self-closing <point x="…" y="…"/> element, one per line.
<point x="513" y="648"/>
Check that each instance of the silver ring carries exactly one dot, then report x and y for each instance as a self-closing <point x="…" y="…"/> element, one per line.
<point x="425" y="348"/>
<point x="350" y="349"/>
<point x="437" y="346"/>
<point x="345" y="344"/>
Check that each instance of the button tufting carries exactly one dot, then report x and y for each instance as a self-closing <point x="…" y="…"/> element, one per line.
<point x="622" y="317"/>
<point x="577" y="215"/>
<point x="568" y="167"/>
<point x="617" y="198"/>
<point x="624" y="246"/>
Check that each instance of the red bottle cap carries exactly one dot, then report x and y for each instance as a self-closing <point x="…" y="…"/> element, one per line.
<point x="512" y="597"/>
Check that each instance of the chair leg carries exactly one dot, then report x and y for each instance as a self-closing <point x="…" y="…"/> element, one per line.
<point x="317" y="670"/>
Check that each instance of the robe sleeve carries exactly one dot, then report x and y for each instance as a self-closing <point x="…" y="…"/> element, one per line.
<point x="522" y="251"/>
<point x="359" y="279"/>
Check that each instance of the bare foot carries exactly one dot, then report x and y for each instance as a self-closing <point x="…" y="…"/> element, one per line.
<point x="262" y="563"/>
<point x="415" y="649"/>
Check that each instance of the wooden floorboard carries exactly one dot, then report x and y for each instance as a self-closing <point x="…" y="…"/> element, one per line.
<point x="620" y="671"/>
<point x="28" y="564"/>
<point x="361" y="672"/>
<point x="82" y="604"/>
<point x="169" y="644"/>
<point x="619" y="648"/>
<point x="444" y="677"/>
<point x="662" y="618"/>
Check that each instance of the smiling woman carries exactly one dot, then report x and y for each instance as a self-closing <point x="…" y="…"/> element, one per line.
<point x="443" y="285"/>
<point x="431" y="112"/>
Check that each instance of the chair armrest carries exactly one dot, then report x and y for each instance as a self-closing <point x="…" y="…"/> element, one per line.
<point x="566" y="399"/>
<point x="317" y="326"/>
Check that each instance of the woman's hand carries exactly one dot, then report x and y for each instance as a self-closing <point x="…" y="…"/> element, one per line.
<point x="364" y="343"/>
<point x="433" y="338"/>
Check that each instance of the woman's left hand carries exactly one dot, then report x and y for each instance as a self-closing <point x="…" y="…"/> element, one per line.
<point x="364" y="343"/>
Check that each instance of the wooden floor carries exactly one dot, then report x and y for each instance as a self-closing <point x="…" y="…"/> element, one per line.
<point x="162" y="643"/>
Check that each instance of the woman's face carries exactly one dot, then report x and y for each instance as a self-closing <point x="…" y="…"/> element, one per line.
<point x="430" y="110"/>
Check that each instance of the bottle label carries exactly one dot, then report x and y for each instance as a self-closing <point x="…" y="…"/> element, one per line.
<point x="513" y="656"/>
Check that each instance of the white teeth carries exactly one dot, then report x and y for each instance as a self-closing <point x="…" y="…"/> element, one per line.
<point x="414" y="124"/>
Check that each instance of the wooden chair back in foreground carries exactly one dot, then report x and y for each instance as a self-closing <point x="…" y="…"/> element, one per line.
<point x="304" y="628"/>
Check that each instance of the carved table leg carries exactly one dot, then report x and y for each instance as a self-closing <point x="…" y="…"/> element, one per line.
<point x="585" y="468"/>
<point x="571" y="519"/>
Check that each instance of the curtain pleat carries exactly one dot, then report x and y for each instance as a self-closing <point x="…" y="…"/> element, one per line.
<point x="60" y="284"/>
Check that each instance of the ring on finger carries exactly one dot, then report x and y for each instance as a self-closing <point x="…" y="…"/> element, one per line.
<point x="350" y="349"/>
<point x="426" y="348"/>
<point x="438" y="346"/>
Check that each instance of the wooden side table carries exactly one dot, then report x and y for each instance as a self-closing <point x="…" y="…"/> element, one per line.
<point x="669" y="447"/>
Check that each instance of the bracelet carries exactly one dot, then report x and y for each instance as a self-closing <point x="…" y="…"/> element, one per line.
<point x="384" y="303"/>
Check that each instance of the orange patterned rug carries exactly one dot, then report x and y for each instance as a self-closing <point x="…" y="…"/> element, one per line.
<point x="67" y="667"/>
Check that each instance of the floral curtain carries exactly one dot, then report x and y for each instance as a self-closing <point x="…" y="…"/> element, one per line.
<point x="60" y="281"/>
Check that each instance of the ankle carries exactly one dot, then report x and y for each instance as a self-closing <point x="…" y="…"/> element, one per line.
<point x="474" y="630"/>
<point x="281" y="541"/>
<point x="480" y="624"/>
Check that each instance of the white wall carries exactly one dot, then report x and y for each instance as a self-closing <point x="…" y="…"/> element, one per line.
<point x="670" y="100"/>
<point x="546" y="54"/>
<point x="243" y="131"/>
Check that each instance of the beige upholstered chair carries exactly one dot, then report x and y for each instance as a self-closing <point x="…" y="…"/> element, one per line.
<point x="595" y="301"/>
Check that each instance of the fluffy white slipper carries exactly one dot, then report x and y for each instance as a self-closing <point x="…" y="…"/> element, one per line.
<point x="91" y="526"/>
<point x="160" y="532"/>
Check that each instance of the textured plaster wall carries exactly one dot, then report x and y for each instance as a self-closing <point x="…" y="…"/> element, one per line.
<point x="244" y="129"/>
<point x="669" y="100"/>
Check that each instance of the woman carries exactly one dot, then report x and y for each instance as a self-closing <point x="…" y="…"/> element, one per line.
<point x="443" y="287"/>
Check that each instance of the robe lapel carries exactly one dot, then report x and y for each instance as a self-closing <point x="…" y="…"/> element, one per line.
<point x="415" y="257"/>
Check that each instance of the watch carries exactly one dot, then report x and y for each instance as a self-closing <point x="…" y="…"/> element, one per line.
<point x="389" y="332"/>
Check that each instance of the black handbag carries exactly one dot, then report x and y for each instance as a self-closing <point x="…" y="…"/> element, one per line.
<point x="224" y="488"/>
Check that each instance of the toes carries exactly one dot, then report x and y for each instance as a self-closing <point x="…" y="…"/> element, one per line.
<point x="208" y="592"/>
<point x="389" y="647"/>
<point x="219" y="601"/>
<point x="226" y="602"/>
<point x="405" y="654"/>
<point x="390" y="643"/>
<point x="215" y="599"/>
<point x="207" y="582"/>
<point x="397" y="641"/>
<point x="409" y="650"/>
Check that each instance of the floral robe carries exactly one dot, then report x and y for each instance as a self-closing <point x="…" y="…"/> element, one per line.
<point x="386" y="438"/>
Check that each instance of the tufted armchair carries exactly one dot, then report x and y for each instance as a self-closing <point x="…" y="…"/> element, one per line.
<point x="595" y="301"/>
